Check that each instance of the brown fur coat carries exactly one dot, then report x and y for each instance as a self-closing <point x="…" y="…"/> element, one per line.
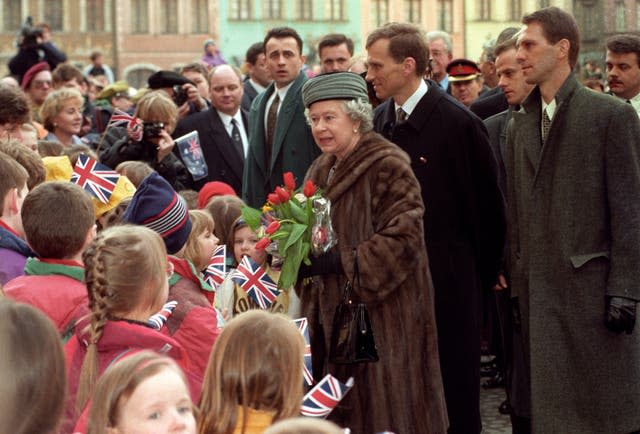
<point x="377" y="209"/>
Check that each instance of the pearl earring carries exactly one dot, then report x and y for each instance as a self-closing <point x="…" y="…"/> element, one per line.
<point x="355" y="130"/>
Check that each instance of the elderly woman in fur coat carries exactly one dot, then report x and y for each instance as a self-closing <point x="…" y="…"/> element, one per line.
<point x="376" y="212"/>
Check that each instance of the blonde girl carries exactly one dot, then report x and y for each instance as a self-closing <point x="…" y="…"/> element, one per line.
<point x="126" y="277"/>
<point x="254" y="375"/>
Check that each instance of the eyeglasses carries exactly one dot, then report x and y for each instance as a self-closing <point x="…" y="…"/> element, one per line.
<point x="41" y="84"/>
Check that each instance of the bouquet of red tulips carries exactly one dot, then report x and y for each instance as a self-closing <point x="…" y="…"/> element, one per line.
<point x="292" y="224"/>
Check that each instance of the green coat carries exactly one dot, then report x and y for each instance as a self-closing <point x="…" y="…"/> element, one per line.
<point x="293" y="146"/>
<point x="574" y="216"/>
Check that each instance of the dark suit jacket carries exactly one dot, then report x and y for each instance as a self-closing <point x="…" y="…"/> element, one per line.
<point x="489" y="104"/>
<point x="464" y="224"/>
<point x="223" y="160"/>
<point x="249" y="94"/>
<point x="293" y="146"/>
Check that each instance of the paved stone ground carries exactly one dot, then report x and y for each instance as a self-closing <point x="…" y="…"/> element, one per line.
<point x="492" y="421"/>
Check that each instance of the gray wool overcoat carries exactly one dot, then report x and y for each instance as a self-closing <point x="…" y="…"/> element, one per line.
<point x="574" y="233"/>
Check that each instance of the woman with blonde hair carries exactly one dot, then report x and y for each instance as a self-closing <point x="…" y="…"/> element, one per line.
<point x="145" y="391"/>
<point x="33" y="380"/>
<point x="61" y="114"/>
<point x="159" y="115"/>
<point x="254" y="376"/>
<point x="126" y="272"/>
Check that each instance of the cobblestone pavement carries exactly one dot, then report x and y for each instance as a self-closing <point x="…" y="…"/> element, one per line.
<point x="492" y="421"/>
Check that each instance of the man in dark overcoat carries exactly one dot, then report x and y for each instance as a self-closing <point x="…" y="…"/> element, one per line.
<point x="573" y="176"/>
<point x="465" y="217"/>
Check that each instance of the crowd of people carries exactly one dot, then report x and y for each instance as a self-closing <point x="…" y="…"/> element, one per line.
<point x="467" y="199"/>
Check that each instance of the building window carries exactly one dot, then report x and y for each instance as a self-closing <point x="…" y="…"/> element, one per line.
<point x="334" y="10"/>
<point x="240" y="10"/>
<point x="484" y="10"/>
<point x="12" y="15"/>
<point x="303" y="9"/>
<point x="53" y="14"/>
<point x="516" y="10"/>
<point x="139" y="16"/>
<point x="620" y="16"/>
<point x="200" y="14"/>
<point x="95" y="15"/>
<point x="637" y="15"/>
<point x="169" y="16"/>
<point x="138" y="77"/>
<point x="445" y="15"/>
<point x="379" y="12"/>
<point x="412" y="11"/>
<point x="273" y="9"/>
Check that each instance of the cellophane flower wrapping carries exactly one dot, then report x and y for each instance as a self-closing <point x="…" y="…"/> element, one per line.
<point x="292" y="225"/>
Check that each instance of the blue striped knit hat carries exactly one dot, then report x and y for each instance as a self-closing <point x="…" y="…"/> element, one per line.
<point x="157" y="206"/>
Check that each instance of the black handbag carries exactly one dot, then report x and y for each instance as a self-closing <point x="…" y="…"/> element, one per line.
<point x="351" y="332"/>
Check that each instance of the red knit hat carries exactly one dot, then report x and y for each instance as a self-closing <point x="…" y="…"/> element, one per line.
<point x="214" y="188"/>
<point x="31" y="72"/>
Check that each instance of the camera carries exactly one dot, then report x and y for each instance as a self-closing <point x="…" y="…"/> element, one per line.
<point x="151" y="130"/>
<point x="179" y="95"/>
<point x="29" y="35"/>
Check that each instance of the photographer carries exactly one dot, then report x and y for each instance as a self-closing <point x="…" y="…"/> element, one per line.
<point x="34" y="46"/>
<point x="182" y="90"/>
<point x="159" y="115"/>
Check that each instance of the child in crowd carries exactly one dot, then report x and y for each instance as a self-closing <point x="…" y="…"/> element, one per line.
<point x="136" y="171"/>
<point x="145" y="393"/>
<point x="202" y="242"/>
<point x="225" y="210"/>
<point x="126" y="277"/>
<point x="33" y="380"/>
<point x="193" y="322"/>
<point x="28" y="159"/>
<point x="254" y="375"/>
<point x="54" y="282"/>
<point x="13" y="190"/>
<point x="231" y="296"/>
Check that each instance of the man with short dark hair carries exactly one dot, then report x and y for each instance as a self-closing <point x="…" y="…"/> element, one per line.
<point x="222" y="129"/>
<point x="279" y="138"/>
<point x="464" y="219"/>
<point x="335" y="51"/>
<point x="623" y="68"/>
<point x="258" y="75"/>
<point x="198" y="74"/>
<point x="97" y="67"/>
<point x="573" y="171"/>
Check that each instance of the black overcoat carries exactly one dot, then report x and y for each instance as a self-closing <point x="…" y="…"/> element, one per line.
<point x="464" y="226"/>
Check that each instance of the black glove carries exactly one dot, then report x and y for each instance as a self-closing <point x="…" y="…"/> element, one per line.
<point x="620" y="314"/>
<point x="327" y="263"/>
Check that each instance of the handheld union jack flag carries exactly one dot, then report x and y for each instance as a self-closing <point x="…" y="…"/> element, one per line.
<point x="325" y="396"/>
<point x="303" y="327"/>
<point x="216" y="271"/>
<point x="131" y="123"/>
<point x="256" y="283"/>
<point x="159" y="319"/>
<point x="96" y="178"/>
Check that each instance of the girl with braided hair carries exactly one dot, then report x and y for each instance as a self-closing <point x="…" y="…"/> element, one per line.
<point x="126" y="277"/>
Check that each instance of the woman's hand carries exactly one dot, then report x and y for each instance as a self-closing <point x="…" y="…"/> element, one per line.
<point x="164" y="146"/>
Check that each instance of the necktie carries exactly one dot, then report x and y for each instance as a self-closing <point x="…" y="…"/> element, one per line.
<point x="401" y="115"/>
<point x="236" y="138"/>
<point x="272" y="117"/>
<point x="546" y="122"/>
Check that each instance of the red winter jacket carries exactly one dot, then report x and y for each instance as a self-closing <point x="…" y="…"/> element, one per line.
<point x="119" y="339"/>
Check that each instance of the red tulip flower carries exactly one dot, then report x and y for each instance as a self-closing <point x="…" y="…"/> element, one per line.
<point x="309" y="188"/>
<point x="274" y="199"/>
<point x="273" y="226"/>
<point x="262" y="244"/>
<point x="283" y="194"/>
<point x="289" y="181"/>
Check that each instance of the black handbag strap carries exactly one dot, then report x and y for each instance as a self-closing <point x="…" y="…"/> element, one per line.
<point x="348" y="287"/>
